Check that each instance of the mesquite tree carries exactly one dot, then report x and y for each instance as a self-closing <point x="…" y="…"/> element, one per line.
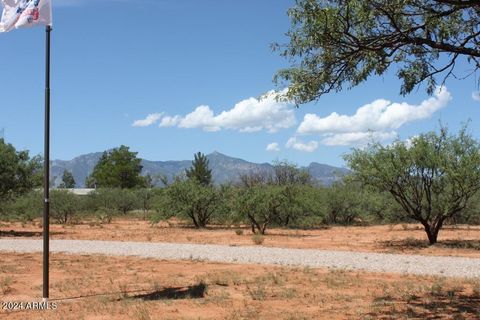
<point x="433" y="176"/>
<point x="338" y="44"/>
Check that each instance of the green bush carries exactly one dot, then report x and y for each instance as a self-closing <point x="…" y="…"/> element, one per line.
<point x="64" y="205"/>
<point x="146" y="198"/>
<point x="191" y="200"/>
<point x="25" y="208"/>
<point x="259" y="206"/>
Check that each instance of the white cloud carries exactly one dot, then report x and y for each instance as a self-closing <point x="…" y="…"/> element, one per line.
<point x="357" y="138"/>
<point x="249" y="115"/>
<point x="376" y="121"/>
<point x="476" y="95"/>
<point x="380" y="115"/>
<point x="148" y="121"/>
<point x="294" y="143"/>
<point x="168" y="121"/>
<point x="273" y="147"/>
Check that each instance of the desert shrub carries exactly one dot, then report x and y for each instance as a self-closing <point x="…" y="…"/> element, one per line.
<point x="64" y="205"/>
<point x="107" y="203"/>
<point x="125" y="200"/>
<point x="344" y="203"/>
<point x="224" y="207"/>
<point x="146" y="198"/>
<point x="191" y="200"/>
<point x="301" y="205"/>
<point x="25" y="208"/>
<point x="160" y="206"/>
<point x="259" y="206"/>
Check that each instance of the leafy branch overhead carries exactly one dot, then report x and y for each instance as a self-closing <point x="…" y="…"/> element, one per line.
<point x="339" y="44"/>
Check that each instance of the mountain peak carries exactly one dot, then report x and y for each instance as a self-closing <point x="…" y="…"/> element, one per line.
<point x="218" y="154"/>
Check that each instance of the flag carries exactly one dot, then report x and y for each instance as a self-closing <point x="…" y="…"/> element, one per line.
<point x="25" y="13"/>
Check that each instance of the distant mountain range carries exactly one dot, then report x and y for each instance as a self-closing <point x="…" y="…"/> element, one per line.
<point x="224" y="168"/>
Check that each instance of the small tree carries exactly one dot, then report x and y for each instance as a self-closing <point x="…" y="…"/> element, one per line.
<point x="64" y="206"/>
<point x="26" y="208"/>
<point x="260" y="205"/>
<point x="344" y="203"/>
<point x="146" y="199"/>
<point x="125" y="200"/>
<point x="199" y="170"/>
<point x="193" y="200"/>
<point x="290" y="180"/>
<point x="18" y="173"/>
<point x="433" y="177"/>
<point x="118" y="168"/>
<point x="68" y="181"/>
<point x="287" y="173"/>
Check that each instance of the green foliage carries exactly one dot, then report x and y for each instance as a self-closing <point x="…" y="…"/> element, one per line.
<point x="288" y="174"/>
<point x="344" y="203"/>
<point x="433" y="177"/>
<point x="110" y="202"/>
<point x="341" y="43"/>
<point x="260" y="205"/>
<point x="224" y="207"/>
<point x="18" y="173"/>
<point x="118" y="168"/>
<point x="125" y="200"/>
<point x="68" y="181"/>
<point x="146" y="199"/>
<point x="199" y="170"/>
<point x="192" y="200"/>
<point x="64" y="205"/>
<point x="25" y="208"/>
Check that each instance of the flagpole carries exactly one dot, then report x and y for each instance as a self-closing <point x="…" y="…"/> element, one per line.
<point x="46" y="181"/>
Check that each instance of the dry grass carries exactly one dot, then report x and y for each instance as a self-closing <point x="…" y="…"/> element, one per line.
<point x="95" y="287"/>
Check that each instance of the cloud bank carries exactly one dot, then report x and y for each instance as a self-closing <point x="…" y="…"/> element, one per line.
<point x="249" y="115"/>
<point x="378" y="120"/>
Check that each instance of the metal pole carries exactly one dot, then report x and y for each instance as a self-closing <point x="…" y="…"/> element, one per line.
<point x="46" y="181"/>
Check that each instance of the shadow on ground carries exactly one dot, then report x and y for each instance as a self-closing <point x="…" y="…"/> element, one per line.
<point x="192" y="292"/>
<point x="23" y="234"/>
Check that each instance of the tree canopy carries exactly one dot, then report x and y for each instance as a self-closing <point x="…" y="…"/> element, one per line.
<point x="433" y="177"/>
<point x="341" y="43"/>
<point x="118" y="168"/>
<point x="18" y="173"/>
<point x="200" y="170"/>
<point x="68" y="181"/>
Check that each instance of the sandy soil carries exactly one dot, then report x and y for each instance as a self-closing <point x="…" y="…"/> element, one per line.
<point x="453" y="241"/>
<point x="97" y="287"/>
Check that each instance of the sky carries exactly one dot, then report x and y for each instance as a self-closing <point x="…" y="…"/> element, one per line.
<point x="171" y="78"/>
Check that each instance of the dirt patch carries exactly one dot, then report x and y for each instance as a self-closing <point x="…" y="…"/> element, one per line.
<point x="97" y="287"/>
<point x="408" y="239"/>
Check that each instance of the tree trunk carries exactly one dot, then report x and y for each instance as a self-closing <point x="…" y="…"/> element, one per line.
<point x="192" y="215"/>
<point x="432" y="233"/>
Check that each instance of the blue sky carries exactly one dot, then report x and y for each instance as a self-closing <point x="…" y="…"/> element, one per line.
<point x="197" y="68"/>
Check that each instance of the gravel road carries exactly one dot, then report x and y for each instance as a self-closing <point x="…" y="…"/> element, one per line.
<point x="375" y="262"/>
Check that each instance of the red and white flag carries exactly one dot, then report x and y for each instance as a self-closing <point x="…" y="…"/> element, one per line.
<point x="25" y="13"/>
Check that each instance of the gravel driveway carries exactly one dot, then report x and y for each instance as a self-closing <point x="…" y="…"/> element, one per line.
<point x="375" y="262"/>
